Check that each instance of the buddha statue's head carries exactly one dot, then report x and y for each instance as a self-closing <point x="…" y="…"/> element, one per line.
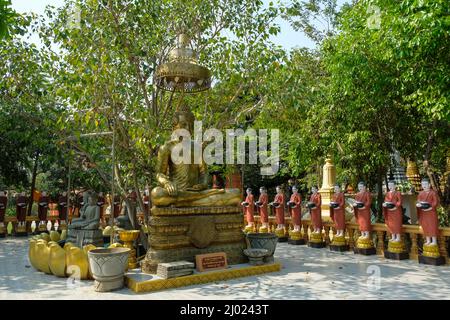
<point x="183" y="119"/>
<point x="263" y="190"/>
<point x="362" y="186"/>
<point x="92" y="199"/>
<point x="337" y="188"/>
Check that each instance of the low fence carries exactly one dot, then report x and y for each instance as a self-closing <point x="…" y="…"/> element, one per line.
<point x="412" y="235"/>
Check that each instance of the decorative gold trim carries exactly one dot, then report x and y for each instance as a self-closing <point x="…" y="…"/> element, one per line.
<point x="338" y="241"/>
<point x="431" y="251"/>
<point x="315" y="237"/>
<point x="364" y="243"/>
<point x="396" y="246"/>
<point x="173" y="211"/>
<point x="295" y="235"/>
<point x="199" y="278"/>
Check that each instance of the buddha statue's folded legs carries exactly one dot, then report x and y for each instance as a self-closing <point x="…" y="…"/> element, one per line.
<point x="204" y="198"/>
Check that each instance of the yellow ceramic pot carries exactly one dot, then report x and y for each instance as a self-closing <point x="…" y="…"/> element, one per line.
<point x="57" y="260"/>
<point x="42" y="256"/>
<point x="63" y="235"/>
<point x="54" y="236"/>
<point x="77" y="263"/>
<point x="32" y="252"/>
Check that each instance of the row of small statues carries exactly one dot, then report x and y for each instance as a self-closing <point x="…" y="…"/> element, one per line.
<point x="427" y="204"/>
<point x="22" y="202"/>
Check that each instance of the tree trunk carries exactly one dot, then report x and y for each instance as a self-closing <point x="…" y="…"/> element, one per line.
<point x="143" y="236"/>
<point x="380" y="194"/>
<point x="33" y="183"/>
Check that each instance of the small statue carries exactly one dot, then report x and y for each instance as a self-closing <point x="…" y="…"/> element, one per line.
<point x="21" y="214"/>
<point x="101" y="205"/>
<point x="3" y="205"/>
<point x="361" y="207"/>
<point x="90" y="214"/>
<point x="427" y="203"/>
<point x="116" y="206"/>
<point x="42" y="211"/>
<point x="249" y="208"/>
<point x="393" y="216"/>
<point x="261" y="204"/>
<point x="146" y="202"/>
<point x="315" y="204"/>
<point x="337" y="210"/>
<point x="393" y="212"/>
<point x="362" y="210"/>
<point x="294" y="205"/>
<point x="278" y="205"/>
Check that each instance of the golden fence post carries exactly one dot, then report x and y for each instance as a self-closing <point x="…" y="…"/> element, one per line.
<point x="351" y="239"/>
<point x="414" y="253"/>
<point x="443" y="247"/>
<point x="380" y="242"/>
<point x="305" y="231"/>
<point x="327" y="234"/>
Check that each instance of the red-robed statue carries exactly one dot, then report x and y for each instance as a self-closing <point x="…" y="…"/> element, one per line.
<point x="262" y="203"/>
<point x="21" y="212"/>
<point x="101" y="204"/>
<point x="146" y="202"/>
<point x="278" y="205"/>
<point x="3" y="205"/>
<point x="362" y="210"/>
<point x="427" y="203"/>
<point x="42" y="211"/>
<point x="62" y="208"/>
<point x="294" y="206"/>
<point x="337" y="210"/>
<point x="315" y="204"/>
<point x="116" y="206"/>
<point x="249" y="209"/>
<point x="393" y="212"/>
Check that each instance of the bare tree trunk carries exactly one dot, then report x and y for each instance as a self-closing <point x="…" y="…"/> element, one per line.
<point x="380" y="197"/>
<point x="33" y="183"/>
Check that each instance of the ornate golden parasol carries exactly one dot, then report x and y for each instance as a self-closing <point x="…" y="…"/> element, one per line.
<point x="181" y="72"/>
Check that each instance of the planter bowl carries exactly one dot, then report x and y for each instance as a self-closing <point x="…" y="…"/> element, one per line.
<point x="108" y="267"/>
<point x="266" y="241"/>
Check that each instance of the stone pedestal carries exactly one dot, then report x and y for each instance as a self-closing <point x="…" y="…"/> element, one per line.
<point x="327" y="189"/>
<point x="182" y="233"/>
<point x="83" y="237"/>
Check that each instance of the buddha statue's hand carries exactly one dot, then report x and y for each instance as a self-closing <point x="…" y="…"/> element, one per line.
<point x="171" y="188"/>
<point x="197" y="187"/>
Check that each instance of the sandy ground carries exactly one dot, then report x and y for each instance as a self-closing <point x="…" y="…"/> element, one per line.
<point x="307" y="273"/>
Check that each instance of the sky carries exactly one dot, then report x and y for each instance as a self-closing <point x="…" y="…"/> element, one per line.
<point x="288" y="38"/>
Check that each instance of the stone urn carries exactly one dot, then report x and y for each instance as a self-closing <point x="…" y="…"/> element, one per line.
<point x="263" y="241"/>
<point x="108" y="267"/>
<point x="256" y="256"/>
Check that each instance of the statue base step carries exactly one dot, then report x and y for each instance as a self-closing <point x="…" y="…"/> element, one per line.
<point x="84" y="237"/>
<point x="297" y="242"/>
<point x="396" y="255"/>
<point x="282" y="239"/>
<point x="106" y="286"/>
<point x="339" y="248"/>
<point x="365" y="251"/>
<point x="316" y="245"/>
<point x="147" y="283"/>
<point x="439" y="261"/>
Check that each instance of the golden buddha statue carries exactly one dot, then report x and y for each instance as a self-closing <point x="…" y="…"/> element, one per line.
<point x="186" y="184"/>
